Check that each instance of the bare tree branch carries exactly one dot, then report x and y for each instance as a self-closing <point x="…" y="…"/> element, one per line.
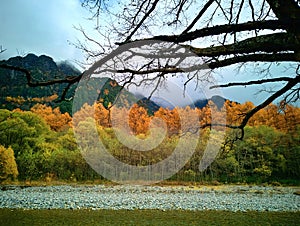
<point x="228" y="28"/>
<point x="142" y="20"/>
<point x="256" y="82"/>
<point x="1" y="49"/>
<point x="272" y="43"/>
<point x="202" y="11"/>
<point x="282" y="57"/>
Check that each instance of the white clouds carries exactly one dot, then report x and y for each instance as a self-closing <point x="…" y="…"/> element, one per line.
<point x="41" y="27"/>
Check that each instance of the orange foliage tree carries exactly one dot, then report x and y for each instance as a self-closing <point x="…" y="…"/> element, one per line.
<point x="171" y="118"/>
<point x="139" y="120"/>
<point x="102" y="115"/>
<point x="291" y="117"/>
<point x="53" y="117"/>
<point x="82" y="114"/>
<point x="286" y="119"/>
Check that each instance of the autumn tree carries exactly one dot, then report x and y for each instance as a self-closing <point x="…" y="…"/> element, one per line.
<point x="8" y="165"/>
<point x="21" y="100"/>
<point x="54" y="118"/>
<point x="285" y="119"/>
<point x="236" y="111"/>
<point x="102" y="115"/>
<point x="82" y="114"/>
<point x="291" y="117"/>
<point x="171" y="118"/>
<point x="138" y="120"/>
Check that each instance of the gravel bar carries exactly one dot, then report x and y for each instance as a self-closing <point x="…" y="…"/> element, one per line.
<point x="230" y="198"/>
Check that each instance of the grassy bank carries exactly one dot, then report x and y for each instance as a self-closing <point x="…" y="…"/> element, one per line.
<point x="144" y="217"/>
<point x="162" y="183"/>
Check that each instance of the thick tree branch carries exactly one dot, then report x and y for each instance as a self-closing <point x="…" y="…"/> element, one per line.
<point x="173" y="69"/>
<point x="256" y="82"/>
<point x="228" y="28"/>
<point x="271" y="43"/>
<point x="280" y="57"/>
<point x="285" y="8"/>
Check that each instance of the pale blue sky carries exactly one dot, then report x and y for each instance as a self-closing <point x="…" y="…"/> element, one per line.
<point x="41" y="27"/>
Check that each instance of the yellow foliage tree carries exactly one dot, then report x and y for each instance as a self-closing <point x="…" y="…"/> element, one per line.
<point x="8" y="165"/>
<point x="17" y="100"/>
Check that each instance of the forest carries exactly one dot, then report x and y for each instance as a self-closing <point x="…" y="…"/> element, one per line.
<point x="39" y="144"/>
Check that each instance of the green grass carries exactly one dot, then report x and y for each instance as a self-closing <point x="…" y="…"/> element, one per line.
<point x="144" y="217"/>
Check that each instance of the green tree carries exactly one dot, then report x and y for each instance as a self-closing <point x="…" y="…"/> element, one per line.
<point x="260" y="154"/>
<point x="22" y="130"/>
<point x="291" y="152"/>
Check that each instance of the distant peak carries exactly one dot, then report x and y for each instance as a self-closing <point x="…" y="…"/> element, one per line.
<point x="31" y="55"/>
<point x="46" y="57"/>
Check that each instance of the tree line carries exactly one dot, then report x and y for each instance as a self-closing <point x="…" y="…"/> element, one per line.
<point x="40" y="145"/>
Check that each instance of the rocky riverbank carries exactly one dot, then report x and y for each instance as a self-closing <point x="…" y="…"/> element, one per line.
<point x="231" y="198"/>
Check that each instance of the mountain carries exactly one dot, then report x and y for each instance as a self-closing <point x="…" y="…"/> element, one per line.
<point x="200" y="103"/>
<point x="42" y="68"/>
<point x="109" y="94"/>
<point x="67" y="68"/>
<point x="149" y="105"/>
<point x="162" y="102"/>
<point x="217" y="100"/>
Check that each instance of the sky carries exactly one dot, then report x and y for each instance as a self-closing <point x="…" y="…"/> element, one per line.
<point x="41" y="27"/>
<point x="47" y="27"/>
